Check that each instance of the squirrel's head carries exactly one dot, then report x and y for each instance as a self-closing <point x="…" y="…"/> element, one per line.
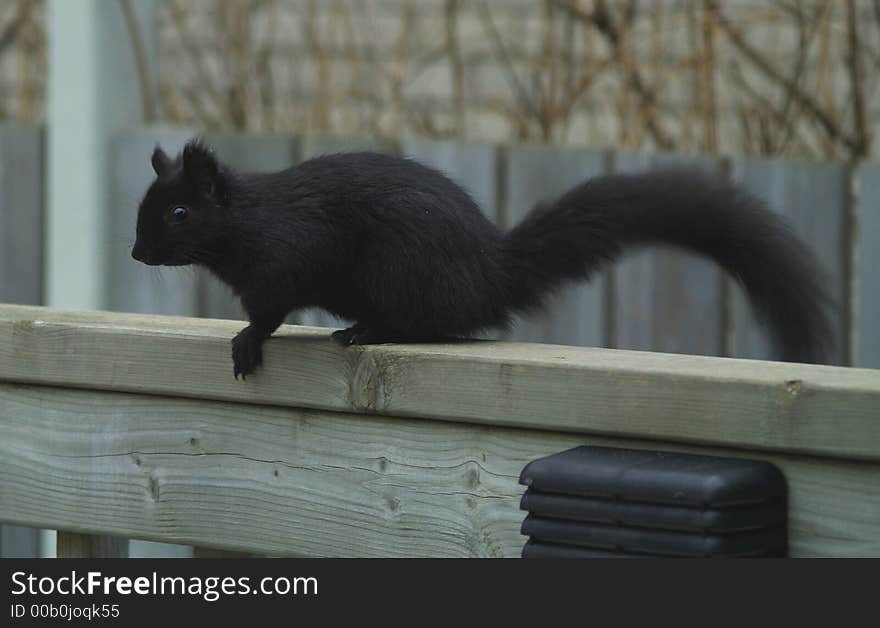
<point x="182" y="214"/>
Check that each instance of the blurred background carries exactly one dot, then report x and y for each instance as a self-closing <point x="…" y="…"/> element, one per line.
<point x="515" y="99"/>
<point x="750" y="77"/>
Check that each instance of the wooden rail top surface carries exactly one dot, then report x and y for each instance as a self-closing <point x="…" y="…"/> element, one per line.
<point x="822" y="410"/>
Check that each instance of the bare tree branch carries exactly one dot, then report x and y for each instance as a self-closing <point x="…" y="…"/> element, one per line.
<point x="503" y="58"/>
<point x="856" y="79"/>
<point x="456" y="66"/>
<point x="759" y="61"/>
<point x="10" y="33"/>
<point x="601" y="18"/>
<point x="148" y="102"/>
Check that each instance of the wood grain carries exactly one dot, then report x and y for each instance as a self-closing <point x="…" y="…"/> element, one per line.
<point x="742" y="403"/>
<point x="282" y="481"/>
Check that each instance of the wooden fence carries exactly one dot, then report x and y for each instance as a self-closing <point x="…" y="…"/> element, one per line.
<point x="132" y="426"/>
<point x="21" y="256"/>
<point x="659" y="300"/>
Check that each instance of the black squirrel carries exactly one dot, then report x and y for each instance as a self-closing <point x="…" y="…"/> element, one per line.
<point x="407" y="254"/>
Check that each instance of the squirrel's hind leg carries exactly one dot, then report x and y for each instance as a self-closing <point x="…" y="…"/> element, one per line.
<point x="346" y="337"/>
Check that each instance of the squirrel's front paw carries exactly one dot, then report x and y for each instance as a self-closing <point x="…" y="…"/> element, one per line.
<point x="247" y="352"/>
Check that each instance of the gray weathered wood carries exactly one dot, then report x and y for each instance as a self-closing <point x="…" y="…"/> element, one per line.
<point x="207" y="552"/>
<point x="19" y="542"/>
<point x="576" y="315"/>
<point x="868" y="268"/>
<point x="134" y="287"/>
<point x="812" y="198"/>
<point x="473" y="166"/>
<point x="315" y="145"/>
<point x="151" y="549"/>
<point x="21" y="256"/>
<point x="21" y="214"/>
<point x="76" y="545"/>
<point x="802" y="408"/>
<point x="248" y="153"/>
<point x="289" y="482"/>
<point x="666" y="299"/>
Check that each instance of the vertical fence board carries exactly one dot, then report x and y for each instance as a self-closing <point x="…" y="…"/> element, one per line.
<point x="150" y="549"/>
<point x="21" y="214"/>
<point x="812" y="197"/>
<point x="576" y="315"/>
<point x="633" y="282"/>
<point x="473" y="166"/>
<point x="21" y="258"/>
<point x="75" y="545"/>
<point x="868" y="268"/>
<point x="315" y="146"/>
<point x="135" y="287"/>
<point x="19" y="542"/>
<point x="248" y="153"/>
<point x="207" y="552"/>
<point x="666" y="299"/>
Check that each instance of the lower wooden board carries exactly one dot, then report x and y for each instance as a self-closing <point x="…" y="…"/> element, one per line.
<point x="774" y="406"/>
<point x="288" y="482"/>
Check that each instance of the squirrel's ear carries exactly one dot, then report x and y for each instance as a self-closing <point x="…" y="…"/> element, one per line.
<point x="161" y="162"/>
<point x="202" y="169"/>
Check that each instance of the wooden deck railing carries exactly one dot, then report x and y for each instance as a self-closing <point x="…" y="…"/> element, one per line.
<point x="116" y="425"/>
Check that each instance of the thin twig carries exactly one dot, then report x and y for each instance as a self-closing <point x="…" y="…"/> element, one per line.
<point x="856" y="79"/>
<point x="145" y="83"/>
<point x="503" y="58"/>
<point x="826" y="120"/>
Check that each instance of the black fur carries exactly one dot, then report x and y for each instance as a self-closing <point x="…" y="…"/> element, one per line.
<point x="406" y="253"/>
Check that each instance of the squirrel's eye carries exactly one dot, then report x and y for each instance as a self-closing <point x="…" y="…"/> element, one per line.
<point x="179" y="214"/>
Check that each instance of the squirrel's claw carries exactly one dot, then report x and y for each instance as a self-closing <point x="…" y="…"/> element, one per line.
<point x="247" y="352"/>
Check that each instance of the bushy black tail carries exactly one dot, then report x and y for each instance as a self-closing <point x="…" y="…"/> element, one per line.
<point x="594" y="223"/>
